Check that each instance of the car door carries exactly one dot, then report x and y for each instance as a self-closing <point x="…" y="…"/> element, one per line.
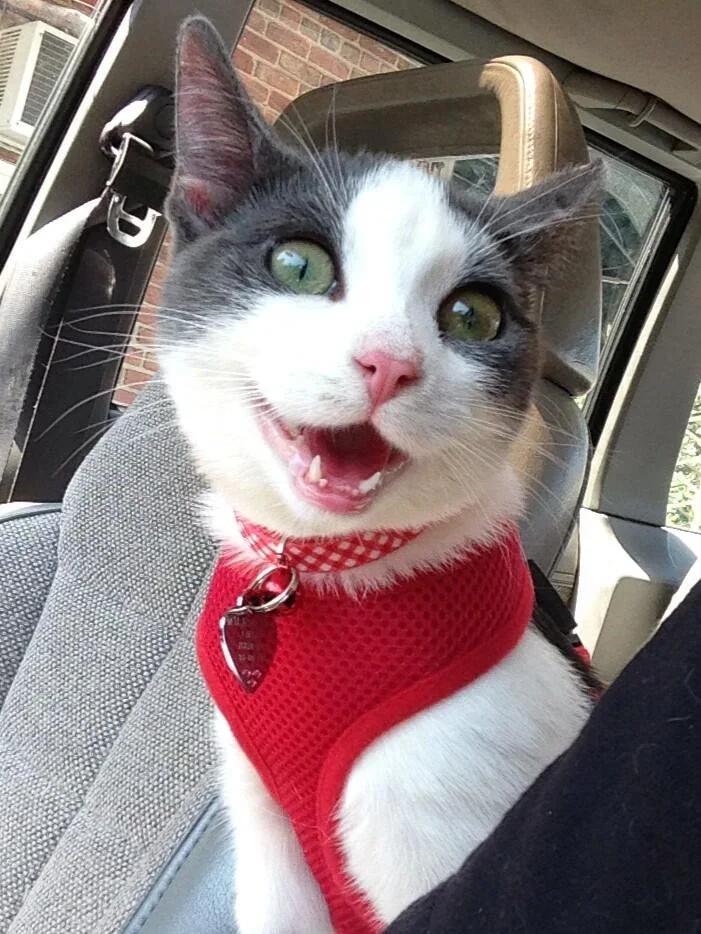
<point x="639" y="529"/>
<point x="63" y="87"/>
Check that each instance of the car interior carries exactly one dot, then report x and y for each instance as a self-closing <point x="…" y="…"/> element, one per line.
<point x="108" y="805"/>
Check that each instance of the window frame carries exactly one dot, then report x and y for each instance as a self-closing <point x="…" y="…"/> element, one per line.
<point x="618" y="349"/>
<point x="37" y="156"/>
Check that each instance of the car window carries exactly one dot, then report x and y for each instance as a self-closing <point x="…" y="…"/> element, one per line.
<point x="38" y="42"/>
<point x="635" y="211"/>
<point x="285" y="50"/>
<point x="684" y="504"/>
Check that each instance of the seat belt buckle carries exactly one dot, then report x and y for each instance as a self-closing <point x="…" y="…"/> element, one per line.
<point x="126" y="227"/>
<point x="139" y="140"/>
<point x="135" y="175"/>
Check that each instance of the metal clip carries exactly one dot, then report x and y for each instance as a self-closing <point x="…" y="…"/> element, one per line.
<point x="117" y="216"/>
<point x="254" y="600"/>
<point x="247" y="632"/>
<point x="124" y="226"/>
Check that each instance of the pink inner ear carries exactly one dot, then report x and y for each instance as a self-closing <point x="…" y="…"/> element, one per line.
<point x="215" y="152"/>
<point x="199" y="197"/>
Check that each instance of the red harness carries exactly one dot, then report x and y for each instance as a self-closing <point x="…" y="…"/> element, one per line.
<point x="338" y="672"/>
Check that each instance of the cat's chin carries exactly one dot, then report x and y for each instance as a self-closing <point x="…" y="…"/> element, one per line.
<point x="443" y="537"/>
<point x="339" y="470"/>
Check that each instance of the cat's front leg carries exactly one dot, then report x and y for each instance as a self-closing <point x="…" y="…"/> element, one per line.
<point x="424" y="795"/>
<point x="275" y="893"/>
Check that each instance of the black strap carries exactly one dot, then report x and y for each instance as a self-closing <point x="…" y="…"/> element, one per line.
<point x="88" y="319"/>
<point x="553" y="619"/>
<point x="60" y="364"/>
<point x="138" y="175"/>
<point x="37" y="277"/>
<point x="550" y="602"/>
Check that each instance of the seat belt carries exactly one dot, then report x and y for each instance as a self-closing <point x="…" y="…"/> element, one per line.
<point x="53" y="356"/>
<point x="553" y="619"/>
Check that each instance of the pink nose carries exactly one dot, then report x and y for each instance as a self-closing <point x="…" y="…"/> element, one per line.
<point x="385" y="375"/>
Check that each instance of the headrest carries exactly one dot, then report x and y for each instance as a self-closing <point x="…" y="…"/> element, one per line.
<point x="512" y="106"/>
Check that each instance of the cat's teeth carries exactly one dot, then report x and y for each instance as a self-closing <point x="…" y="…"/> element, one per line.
<point x="372" y="483"/>
<point x="323" y="482"/>
<point x="314" y="472"/>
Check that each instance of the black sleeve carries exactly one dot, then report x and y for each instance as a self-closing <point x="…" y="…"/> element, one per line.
<point x="608" y="839"/>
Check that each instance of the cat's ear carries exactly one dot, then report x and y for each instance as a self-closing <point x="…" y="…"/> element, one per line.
<point x="540" y="227"/>
<point x="223" y="143"/>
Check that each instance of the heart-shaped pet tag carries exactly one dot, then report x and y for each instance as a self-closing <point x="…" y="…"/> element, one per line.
<point x="248" y="643"/>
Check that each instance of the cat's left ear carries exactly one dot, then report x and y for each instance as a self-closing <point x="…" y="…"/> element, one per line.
<point x="540" y="226"/>
<point x="223" y="144"/>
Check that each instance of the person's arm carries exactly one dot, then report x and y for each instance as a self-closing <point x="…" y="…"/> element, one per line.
<point x="608" y="839"/>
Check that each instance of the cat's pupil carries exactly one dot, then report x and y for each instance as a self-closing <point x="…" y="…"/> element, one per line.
<point x="297" y="264"/>
<point x="303" y="266"/>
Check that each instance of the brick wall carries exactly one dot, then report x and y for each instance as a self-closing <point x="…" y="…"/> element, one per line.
<point x="285" y="50"/>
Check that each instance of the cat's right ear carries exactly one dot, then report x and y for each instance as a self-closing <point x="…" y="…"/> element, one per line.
<point x="222" y="142"/>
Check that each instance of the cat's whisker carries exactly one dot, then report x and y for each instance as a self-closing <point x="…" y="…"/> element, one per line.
<point x="91" y="398"/>
<point x="117" y="308"/>
<point x="81" y="447"/>
<point x="544" y="501"/>
<point x="539" y="227"/>
<point x="114" y="354"/>
<point x="341" y="181"/>
<point x="315" y="158"/>
<point x="533" y="446"/>
<point x="547" y="192"/>
<point x="116" y="350"/>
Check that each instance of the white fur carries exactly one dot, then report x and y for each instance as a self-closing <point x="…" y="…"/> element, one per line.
<point x="418" y="800"/>
<point x="423" y="796"/>
<point x="405" y="251"/>
<point x="275" y="893"/>
<point x="427" y="792"/>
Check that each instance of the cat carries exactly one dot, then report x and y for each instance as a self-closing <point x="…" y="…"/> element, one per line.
<point x="319" y="292"/>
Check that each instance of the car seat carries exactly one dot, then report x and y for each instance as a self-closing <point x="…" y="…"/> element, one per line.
<point x="108" y="811"/>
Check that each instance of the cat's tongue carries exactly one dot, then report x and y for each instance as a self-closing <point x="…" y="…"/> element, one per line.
<point x="341" y="469"/>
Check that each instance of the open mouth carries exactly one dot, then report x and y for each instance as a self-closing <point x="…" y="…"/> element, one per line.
<point x="338" y="469"/>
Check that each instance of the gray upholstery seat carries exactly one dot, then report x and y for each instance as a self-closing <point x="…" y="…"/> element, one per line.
<point x="104" y="729"/>
<point x="108" y="812"/>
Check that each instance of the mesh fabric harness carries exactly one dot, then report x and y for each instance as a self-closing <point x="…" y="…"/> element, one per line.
<point x="346" y="670"/>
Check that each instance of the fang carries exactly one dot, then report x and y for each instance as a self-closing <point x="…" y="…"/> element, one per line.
<point x="314" y="472"/>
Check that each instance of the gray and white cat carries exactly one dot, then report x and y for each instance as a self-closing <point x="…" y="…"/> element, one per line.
<point x="325" y="291"/>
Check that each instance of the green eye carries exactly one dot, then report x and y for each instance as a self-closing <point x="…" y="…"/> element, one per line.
<point x="303" y="267"/>
<point x="469" y="315"/>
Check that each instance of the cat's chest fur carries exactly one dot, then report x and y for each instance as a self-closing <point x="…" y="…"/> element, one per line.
<point x="423" y="794"/>
<point x="428" y="791"/>
<point x="458" y="766"/>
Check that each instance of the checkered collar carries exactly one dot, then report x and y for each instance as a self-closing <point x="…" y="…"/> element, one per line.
<point x="322" y="555"/>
